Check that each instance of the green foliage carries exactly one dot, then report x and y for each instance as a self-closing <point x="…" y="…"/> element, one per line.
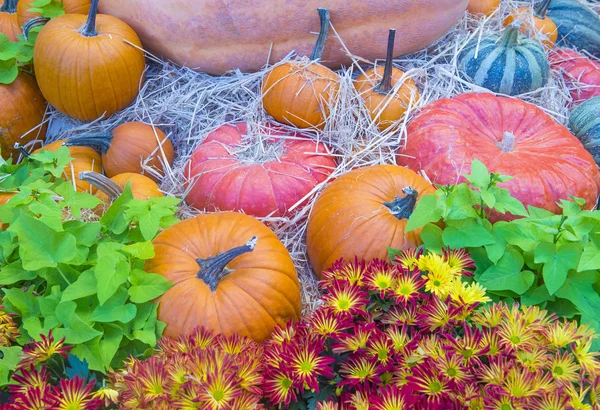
<point x="542" y="258"/>
<point x="82" y="279"/>
<point x="47" y="8"/>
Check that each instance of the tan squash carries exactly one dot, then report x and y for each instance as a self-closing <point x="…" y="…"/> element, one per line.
<point x="218" y="36"/>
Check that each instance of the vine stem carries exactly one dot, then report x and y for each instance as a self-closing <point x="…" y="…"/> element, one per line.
<point x="385" y="86"/>
<point x="317" y="52"/>
<point x="89" y="30"/>
<point x="541" y="9"/>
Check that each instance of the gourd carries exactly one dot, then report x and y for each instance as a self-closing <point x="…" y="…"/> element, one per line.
<point x="220" y="178"/>
<point x="22" y="115"/>
<point x="131" y="148"/>
<point x="88" y="69"/>
<point x="510" y="137"/>
<point x="584" y="123"/>
<point x="300" y="92"/>
<point x="385" y="99"/>
<point x="509" y="64"/>
<point x="578" y="25"/>
<point x="362" y="213"/>
<point x="535" y="23"/>
<point x="230" y="274"/>
<point x="239" y="34"/>
<point x="581" y="74"/>
<point x="8" y="19"/>
<point x="69" y="6"/>
<point x="485" y="7"/>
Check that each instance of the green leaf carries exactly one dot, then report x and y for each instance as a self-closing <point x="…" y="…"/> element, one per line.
<point x="90" y="352"/>
<point x="460" y="203"/>
<point x="111" y="313"/>
<point x="86" y="233"/>
<point x="51" y="10"/>
<point x="109" y="344"/>
<point x="24" y="301"/>
<point x="76" y="330"/>
<point x="488" y="198"/>
<point x="141" y="250"/>
<point x="524" y="235"/>
<point x="14" y="272"/>
<point x="557" y="263"/>
<point x="536" y="296"/>
<point x="425" y="212"/>
<point x="112" y="270"/>
<point x="8" y="71"/>
<point x="8" y="49"/>
<point x="466" y="233"/>
<point x="76" y="201"/>
<point x="590" y="258"/>
<point x="431" y="235"/>
<point x="147" y="286"/>
<point x="506" y="203"/>
<point x="507" y="274"/>
<point x="11" y="357"/>
<point x="114" y="218"/>
<point x="578" y="289"/>
<point x="85" y="285"/>
<point x="41" y="246"/>
<point x="479" y="177"/>
<point x="496" y="249"/>
<point x="147" y="216"/>
<point x="595" y="325"/>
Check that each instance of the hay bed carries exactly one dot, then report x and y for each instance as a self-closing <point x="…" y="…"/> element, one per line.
<point x="188" y="105"/>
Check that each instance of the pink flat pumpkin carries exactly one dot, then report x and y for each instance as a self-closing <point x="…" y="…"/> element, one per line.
<point x="582" y="74"/>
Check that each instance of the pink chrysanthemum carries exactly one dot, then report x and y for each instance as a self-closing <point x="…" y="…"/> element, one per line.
<point x="408" y="258"/>
<point x="307" y="364"/>
<point x="74" y="394"/>
<point x="381" y="277"/>
<point x="351" y="273"/>
<point x="40" y="352"/>
<point x="359" y="369"/>
<point x="279" y="387"/>
<point x="459" y="259"/>
<point x="356" y="339"/>
<point x="325" y="323"/>
<point x="390" y="398"/>
<point x="343" y="299"/>
<point x="408" y="287"/>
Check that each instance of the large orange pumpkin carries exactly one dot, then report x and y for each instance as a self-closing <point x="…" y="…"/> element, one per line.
<point x="231" y="274"/>
<point x="88" y="69"/>
<point x="215" y="37"/>
<point x="300" y="92"/>
<point x="535" y="21"/>
<point x="386" y="105"/>
<point x="362" y="213"/>
<point x="84" y="159"/>
<point x="69" y="6"/>
<point x="21" y="114"/>
<point x="510" y="137"/>
<point x="8" y="19"/>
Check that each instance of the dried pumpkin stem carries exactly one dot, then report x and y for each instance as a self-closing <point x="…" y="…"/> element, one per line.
<point x="214" y="269"/>
<point x="385" y="86"/>
<point x="89" y="30"/>
<point x="103" y="183"/>
<point x="317" y="52"/>
<point x="542" y="8"/>
<point x="9" y="6"/>
<point x="402" y="208"/>
<point x="31" y="24"/>
<point x="508" y="142"/>
<point x="510" y="36"/>
<point x="98" y="142"/>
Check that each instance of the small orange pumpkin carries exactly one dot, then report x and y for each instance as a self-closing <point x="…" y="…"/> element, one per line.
<point x="84" y="159"/>
<point x="88" y="70"/>
<point x="485" y="7"/>
<point x="362" y="213"/>
<point x="540" y="23"/>
<point x="8" y="19"/>
<point x="231" y="274"/>
<point x="377" y="88"/>
<point x="299" y="93"/>
<point x="69" y="6"/>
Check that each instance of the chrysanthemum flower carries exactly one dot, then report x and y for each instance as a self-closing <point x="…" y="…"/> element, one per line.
<point x="407" y="287"/>
<point x="520" y="383"/>
<point x="106" y="394"/>
<point x="286" y="333"/>
<point x="247" y="401"/>
<point x="325" y="323"/>
<point x="357" y="400"/>
<point x="249" y="374"/>
<point x="436" y="314"/>
<point x="33" y="398"/>
<point x="355" y="339"/>
<point x="389" y="398"/>
<point x="495" y="372"/>
<point x="459" y="259"/>
<point x="550" y="401"/>
<point x="408" y="258"/>
<point x="219" y="391"/>
<point x="427" y="381"/>
<point x="352" y="273"/>
<point x="344" y="299"/>
<point x="40" y="352"/>
<point x="401" y="315"/>
<point x="279" y="387"/>
<point x="9" y="331"/>
<point x="29" y="377"/>
<point x="490" y="341"/>
<point x="451" y="366"/>
<point x="587" y="360"/>
<point x="74" y="394"/>
<point x="327" y="405"/>
<point x="533" y="359"/>
<point x="502" y="402"/>
<point x="516" y="335"/>
<point x="306" y="363"/>
<point x="431" y="346"/>
<point x="560" y="334"/>
<point x="469" y="346"/>
<point x="381" y="277"/>
<point x="439" y="280"/>
<point x="563" y="367"/>
<point x="381" y="347"/>
<point x="534" y="316"/>
<point x="236" y="344"/>
<point x="154" y="379"/>
<point x="358" y="369"/>
<point x="467" y="293"/>
<point x="490" y="316"/>
<point x="399" y="337"/>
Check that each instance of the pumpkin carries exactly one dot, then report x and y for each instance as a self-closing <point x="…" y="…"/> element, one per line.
<point x="362" y="213"/>
<point x="519" y="65"/>
<point x="218" y="37"/>
<point x="578" y="25"/>
<point x="84" y="159"/>
<point x="88" y="69"/>
<point x="584" y="122"/>
<point x="300" y="93"/>
<point x="386" y="104"/>
<point x="69" y="6"/>
<point x="131" y="147"/>
<point x="510" y="137"/>
<point x="8" y="19"/>
<point x="219" y="178"/>
<point x="535" y="23"/>
<point x="485" y="7"/>
<point x="231" y="274"/>
<point x="581" y="74"/>
<point x="22" y="114"/>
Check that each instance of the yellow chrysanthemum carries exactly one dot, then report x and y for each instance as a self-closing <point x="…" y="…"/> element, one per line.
<point x="564" y="368"/>
<point x="435" y="264"/>
<point x="467" y="293"/>
<point x="490" y="316"/>
<point x="587" y="360"/>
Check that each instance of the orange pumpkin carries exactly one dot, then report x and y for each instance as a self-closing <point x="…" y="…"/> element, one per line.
<point x="69" y="6"/>
<point x="231" y="274"/>
<point x="8" y="19"/>
<point x="132" y="146"/>
<point x="22" y="114"/>
<point x="362" y="213"/>
<point x="485" y="7"/>
<point x="299" y="93"/>
<point x="377" y="88"/>
<point x="88" y="70"/>
<point x="540" y="24"/>
<point x="84" y="159"/>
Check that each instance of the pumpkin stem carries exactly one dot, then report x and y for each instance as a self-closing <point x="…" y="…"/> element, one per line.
<point x="402" y="208"/>
<point x="510" y="36"/>
<point x="98" y="142"/>
<point x="103" y="183"/>
<point x="22" y="150"/>
<point x="385" y="86"/>
<point x="9" y="6"/>
<point x="214" y="268"/>
<point x="508" y="142"/>
<point x="34" y="22"/>
<point x="317" y="52"/>
<point x="541" y="9"/>
<point x="89" y="30"/>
